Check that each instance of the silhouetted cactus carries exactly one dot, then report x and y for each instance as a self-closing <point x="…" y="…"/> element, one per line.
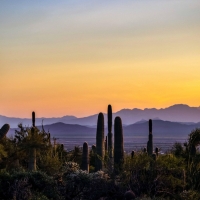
<point x="4" y="130"/>
<point x="85" y="157"/>
<point x="156" y="151"/>
<point x="145" y="150"/>
<point x="150" y="142"/>
<point x="100" y="143"/>
<point x="33" y="119"/>
<point x="119" y="142"/>
<point x="132" y="154"/>
<point x="32" y="155"/>
<point x="109" y="118"/>
<point x="110" y="135"/>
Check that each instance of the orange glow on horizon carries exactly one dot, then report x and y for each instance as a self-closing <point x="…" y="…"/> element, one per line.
<point x="76" y="60"/>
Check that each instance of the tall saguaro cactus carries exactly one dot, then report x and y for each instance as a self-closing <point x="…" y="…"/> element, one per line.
<point x="118" y="142"/>
<point x="32" y="154"/>
<point x="4" y="130"/>
<point x="110" y="135"/>
<point x="150" y="141"/>
<point x="100" y="149"/>
<point x="85" y="157"/>
<point x="33" y="119"/>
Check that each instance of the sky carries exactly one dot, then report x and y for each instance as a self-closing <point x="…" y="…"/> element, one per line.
<point x="75" y="57"/>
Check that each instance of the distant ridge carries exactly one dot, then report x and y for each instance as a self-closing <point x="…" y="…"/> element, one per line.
<point x="140" y="129"/>
<point x="175" y="113"/>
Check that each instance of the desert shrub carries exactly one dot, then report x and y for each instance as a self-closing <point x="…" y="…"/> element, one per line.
<point x="69" y="167"/>
<point x="49" y="164"/>
<point x="190" y="194"/>
<point x="162" y="177"/>
<point x="14" y="188"/>
<point x="24" y="185"/>
<point x="38" y="196"/>
<point x="83" y="185"/>
<point x="178" y="150"/>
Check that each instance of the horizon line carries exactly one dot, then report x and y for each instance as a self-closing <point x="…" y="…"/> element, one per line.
<point x="71" y="115"/>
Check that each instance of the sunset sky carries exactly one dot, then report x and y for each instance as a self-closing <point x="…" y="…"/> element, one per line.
<point x="69" y="57"/>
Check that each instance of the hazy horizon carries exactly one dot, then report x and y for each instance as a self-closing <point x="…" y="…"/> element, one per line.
<point x="75" y="57"/>
<point x="29" y="115"/>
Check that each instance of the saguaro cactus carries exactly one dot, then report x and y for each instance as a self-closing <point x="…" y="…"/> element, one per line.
<point x="85" y="157"/>
<point x="33" y="119"/>
<point x="32" y="154"/>
<point x="110" y="135"/>
<point x="150" y="142"/>
<point x="100" y="143"/>
<point x="4" y="130"/>
<point x="118" y="142"/>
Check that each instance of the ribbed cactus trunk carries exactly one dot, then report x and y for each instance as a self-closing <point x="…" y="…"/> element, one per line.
<point x="150" y="142"/>
<point x="110" y="135"/>
<point x="100" y="149"/>
<point x="4" y="130"/>
<point x="118" y="143"/>
<point x="85" y="157"/>
<point x="32" y="155"/>
<point x="33" y="119"/>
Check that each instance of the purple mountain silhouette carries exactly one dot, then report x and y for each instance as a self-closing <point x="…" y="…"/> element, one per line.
<point x="175" y="113"/>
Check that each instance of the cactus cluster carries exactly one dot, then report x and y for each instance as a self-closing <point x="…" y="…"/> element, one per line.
<point x="118" y="141"/>
<point x="4" y="130"/>
<point x="100" y="149"/>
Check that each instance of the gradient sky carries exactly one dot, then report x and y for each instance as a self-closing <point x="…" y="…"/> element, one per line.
<point x="76" y="57"/>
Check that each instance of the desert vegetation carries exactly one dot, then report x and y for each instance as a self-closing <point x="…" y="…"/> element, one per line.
<point x="34" y="166"/>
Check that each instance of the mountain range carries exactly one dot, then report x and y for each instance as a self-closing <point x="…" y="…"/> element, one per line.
<point x="165" y="134"/>
<point x="139" y="129"/>
<point x="175" y="113"/>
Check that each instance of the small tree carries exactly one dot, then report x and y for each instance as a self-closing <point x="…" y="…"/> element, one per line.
<point x="31" y="140"/>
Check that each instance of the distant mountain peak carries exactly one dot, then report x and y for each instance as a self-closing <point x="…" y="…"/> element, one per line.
<point x="174" y="113"/>
<point x="179" y="105"/>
